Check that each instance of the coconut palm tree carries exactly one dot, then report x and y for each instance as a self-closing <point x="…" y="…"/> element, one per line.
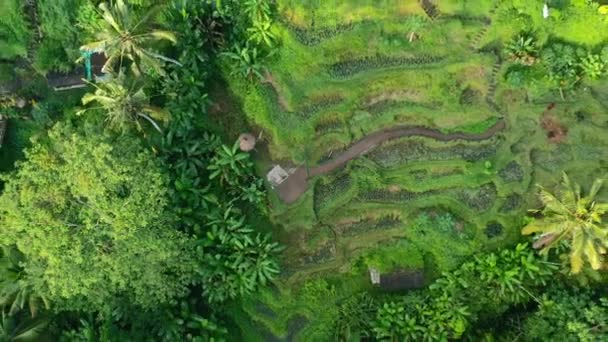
<point x="125" y="104"/>
<point x="21" y="328"/>
<point x="568" y="216"/>
<point x="15" y="291"/>
<point x="127" y="37"/>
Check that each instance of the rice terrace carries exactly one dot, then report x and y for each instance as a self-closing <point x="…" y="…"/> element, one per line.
<point x="304" y="170"/>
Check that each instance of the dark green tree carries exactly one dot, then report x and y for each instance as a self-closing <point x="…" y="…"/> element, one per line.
<point x="90" y="216"/>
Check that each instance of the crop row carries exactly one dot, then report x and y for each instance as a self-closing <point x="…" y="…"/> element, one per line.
<point x="314" y="36"/>
<point x="368" y="225"/>
<point x="351" y="67"/>
<point x="512" y="172"/>
<point x="411" y="150"/>
<point x="327" y="101"/>
<point x="325" y="191"/>
<point x="386" y="105"/>
<point x="512" y="202"/>
<point x="329" y="126"/>
<point x="383" y="195"/>
<point x="480" y="199"/>
<point x="468" y="18"/>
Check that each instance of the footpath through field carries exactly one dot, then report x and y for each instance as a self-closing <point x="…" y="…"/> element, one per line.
<point x="292" y="188"/>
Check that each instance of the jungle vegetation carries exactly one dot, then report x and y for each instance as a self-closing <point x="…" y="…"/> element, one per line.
<point x="136" y="136"/>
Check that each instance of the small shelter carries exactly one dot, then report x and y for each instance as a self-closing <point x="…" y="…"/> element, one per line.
<point x="277" y="175"/>
<point x="398" y="280"/>
<point x="93" y="70"/>
<point x="3" y="124"/>
<point x="246" y="142"/>
<point x="374" y="276"/>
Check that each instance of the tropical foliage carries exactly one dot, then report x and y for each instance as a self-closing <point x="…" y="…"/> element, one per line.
<point x="129" y="213"/>
<point x="127" y="37"/>
<point x="125" y="105"/>
<point x="573" y="219"/>
<point x="106" y="233"/>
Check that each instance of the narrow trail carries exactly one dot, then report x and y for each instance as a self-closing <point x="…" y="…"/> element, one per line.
<point x="297" y="183"/>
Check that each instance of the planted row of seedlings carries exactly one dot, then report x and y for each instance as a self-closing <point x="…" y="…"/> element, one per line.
<point x="351" y="67"/>
<point x="314" y="36"/>
<point x="479" y="199"/>
<point x="326" y="191"/>
<point x="369" y="225"/>
<point x="322" y="255"/>
<point x="384" y="106"/>
<point x="512" y="202"/>
<point x="512" y="172"/>
<point x="384" y="195"/>
<point x="323" y="103"/>
<point x="328" y="127"/>
<point x="411" y="150"/>
<point x="467" y="19"/>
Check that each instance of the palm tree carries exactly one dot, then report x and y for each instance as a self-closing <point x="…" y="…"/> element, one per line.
<point x="123" y="36"/>
<point x="15" y="291"/>
<point x="125" y="104"/>
<point x="16" y="328"/>
<point x="568" y="216"/>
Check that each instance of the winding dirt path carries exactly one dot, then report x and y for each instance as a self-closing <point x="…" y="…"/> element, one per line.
<point x="297" y="183"/>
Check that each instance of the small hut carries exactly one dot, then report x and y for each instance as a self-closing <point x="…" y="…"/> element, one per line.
<point x="277" y="175"/>
<point x="401" y="280"/>
<point x="374" y="275"/>
<point x="3" y="124"/>
<point x="93" y="71"/>
<point x="246" y="142"/>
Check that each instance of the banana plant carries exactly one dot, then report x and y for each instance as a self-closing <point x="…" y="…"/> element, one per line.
<point x="570" y="217"/>
<point x="246" y="61"/>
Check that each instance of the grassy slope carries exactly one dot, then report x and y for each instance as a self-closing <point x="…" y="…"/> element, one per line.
<point x="338" y="227"/>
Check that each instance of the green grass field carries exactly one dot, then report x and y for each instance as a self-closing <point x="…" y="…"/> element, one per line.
<point x="349" y="69"/>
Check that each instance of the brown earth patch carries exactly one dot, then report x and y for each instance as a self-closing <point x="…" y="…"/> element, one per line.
<point x="556" y="132"/>
<point x="398" y="95"/>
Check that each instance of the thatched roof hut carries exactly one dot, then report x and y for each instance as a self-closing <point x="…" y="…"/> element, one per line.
<point x="246" y="142"/>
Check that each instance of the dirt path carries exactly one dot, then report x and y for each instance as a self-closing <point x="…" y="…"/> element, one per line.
<point x="290" y="190"/>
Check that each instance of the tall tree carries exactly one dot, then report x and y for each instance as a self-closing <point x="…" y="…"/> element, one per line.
<point x="125" y="105"/>
<point x="125" y="36"/>
<point x="90" y="215"/>
<point x="574" y="219"/>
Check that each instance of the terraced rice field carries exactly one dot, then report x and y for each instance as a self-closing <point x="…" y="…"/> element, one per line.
<point x="418" y="202"/>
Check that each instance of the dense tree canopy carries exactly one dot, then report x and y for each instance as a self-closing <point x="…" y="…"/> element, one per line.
<point x="90" y="215"/>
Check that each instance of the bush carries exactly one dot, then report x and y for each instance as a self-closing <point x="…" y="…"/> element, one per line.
<point x="14" y="32"/>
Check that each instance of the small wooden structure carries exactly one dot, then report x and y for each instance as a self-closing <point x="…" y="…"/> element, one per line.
<point x="76" y="78"/>
<point x="277" y="175"/>
<point x="374" y="276"/>
<point x="398" y="280"/>
<point x="3" y="125"/>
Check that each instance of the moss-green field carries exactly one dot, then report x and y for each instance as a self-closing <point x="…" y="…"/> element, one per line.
<point x="346" y="69"/>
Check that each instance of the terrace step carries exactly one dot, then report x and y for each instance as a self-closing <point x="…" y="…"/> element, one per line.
<point x="31" y="9"/>
<point x="297" y="183"/>
<point x="430" y="9"/>
<point x="477" y="38"/>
